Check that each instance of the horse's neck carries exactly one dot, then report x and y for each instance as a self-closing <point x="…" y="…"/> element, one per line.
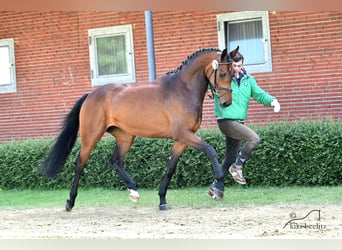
<point x="191" y="79"/>
<point x="195" y="78"/>
<point x="198" y="86"/>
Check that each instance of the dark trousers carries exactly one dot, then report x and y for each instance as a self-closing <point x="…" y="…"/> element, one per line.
<point x="235" y="133"/>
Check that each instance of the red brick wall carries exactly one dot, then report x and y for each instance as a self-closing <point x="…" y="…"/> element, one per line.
<point x="307" y="72"/>
<point x="52" y="66"/>
<point x="52" y="63"/>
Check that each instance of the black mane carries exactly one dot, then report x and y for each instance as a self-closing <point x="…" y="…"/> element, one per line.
<point x="190" y="58"/>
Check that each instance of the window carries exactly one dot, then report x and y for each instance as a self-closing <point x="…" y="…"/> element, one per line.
<point x="249" y="30"/>
<point x="7" y="66"/>
<point x="111" y="55"/>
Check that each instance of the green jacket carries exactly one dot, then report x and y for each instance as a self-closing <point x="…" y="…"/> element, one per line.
<point x="241" y="97"/>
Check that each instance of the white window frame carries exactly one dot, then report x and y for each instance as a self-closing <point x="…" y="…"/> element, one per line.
<point x="125" y="30"/>
<point x="8" y="68"/>
<point x="246" y="16"/>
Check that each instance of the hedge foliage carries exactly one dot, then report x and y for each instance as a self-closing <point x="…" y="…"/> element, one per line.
<point x="301" y="153"/>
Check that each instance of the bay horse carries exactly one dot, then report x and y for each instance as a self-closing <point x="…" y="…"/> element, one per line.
<point x="169" y="107"/>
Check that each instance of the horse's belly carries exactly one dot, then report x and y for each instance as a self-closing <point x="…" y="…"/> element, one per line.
<point x="144" y="125"/>
<point x="148" y="133"/>
<point x="145" y="129"/>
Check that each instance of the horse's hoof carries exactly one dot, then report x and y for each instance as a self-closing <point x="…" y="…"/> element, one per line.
<point x="215" y="193"/>
<point x="164" y="207"/>
<point x="133" y="196"/>
<point x="68" y="207"/>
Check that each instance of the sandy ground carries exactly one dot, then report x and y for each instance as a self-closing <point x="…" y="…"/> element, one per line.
<point x="259" y="222"/>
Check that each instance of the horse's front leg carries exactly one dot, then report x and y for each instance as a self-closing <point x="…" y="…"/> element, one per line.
<point x="177" y="150"/>
<point x="192" y="140"/>
<point x="217" y="189"/>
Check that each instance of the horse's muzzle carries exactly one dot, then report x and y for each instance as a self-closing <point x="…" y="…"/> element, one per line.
<point x="225" y="104"/>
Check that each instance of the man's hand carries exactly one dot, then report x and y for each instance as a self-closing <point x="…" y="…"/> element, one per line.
<point x="276" y="105"/>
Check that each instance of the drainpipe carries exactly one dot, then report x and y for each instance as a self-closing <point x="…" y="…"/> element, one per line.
<point x="150" y="45"/>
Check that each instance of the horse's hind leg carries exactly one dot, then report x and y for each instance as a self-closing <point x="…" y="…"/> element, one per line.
<point x="177" y="150"/>
<point x="80" y="165"/>
<point x="124" y="142"/>
<point x="73" y="192"/>
<point x="91" y="132"/>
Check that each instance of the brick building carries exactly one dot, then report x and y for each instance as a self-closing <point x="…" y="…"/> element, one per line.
<point x="52" y="58"/>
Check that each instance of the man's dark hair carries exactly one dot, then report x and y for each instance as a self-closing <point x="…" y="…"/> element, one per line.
<point x="238" y="57"/>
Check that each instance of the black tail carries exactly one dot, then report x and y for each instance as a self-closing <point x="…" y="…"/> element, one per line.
<point x="60" y="151"/>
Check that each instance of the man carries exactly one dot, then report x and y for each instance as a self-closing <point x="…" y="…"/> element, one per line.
<point x="231" y="120"/>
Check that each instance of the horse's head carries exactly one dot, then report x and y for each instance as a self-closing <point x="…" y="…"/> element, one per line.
<point x="221" y="76"/>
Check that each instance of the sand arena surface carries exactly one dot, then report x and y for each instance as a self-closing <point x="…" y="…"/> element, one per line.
<point x="254" y="222"/>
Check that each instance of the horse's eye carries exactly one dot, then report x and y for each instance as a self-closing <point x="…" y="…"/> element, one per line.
<point x="223" y="75"/>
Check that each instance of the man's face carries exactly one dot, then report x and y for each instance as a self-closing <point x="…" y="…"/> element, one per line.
<point x="237" y="66"/>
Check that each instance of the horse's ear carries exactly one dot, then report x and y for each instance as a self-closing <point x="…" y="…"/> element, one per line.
<point x="233" y="53"/>
<point x="223" y="54"/>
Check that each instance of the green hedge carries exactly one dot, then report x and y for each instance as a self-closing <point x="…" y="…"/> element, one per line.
<point x="301" y="153"/>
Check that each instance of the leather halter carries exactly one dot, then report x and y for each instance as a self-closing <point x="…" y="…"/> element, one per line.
<point x="214" y="87"/>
